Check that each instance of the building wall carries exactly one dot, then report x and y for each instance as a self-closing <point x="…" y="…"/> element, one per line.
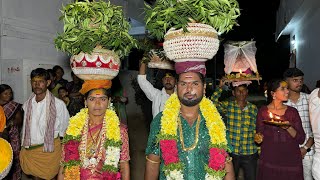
<point x="286" y="11"/>
<point x="304" y="27"/>
<point x="28" y="29"/>
<point x="307" y="45"/>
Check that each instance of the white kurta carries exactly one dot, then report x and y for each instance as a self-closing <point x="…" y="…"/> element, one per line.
<point x="314" y="110"/>
<point x="157" y="97"/>
<point x="39" y="121"/>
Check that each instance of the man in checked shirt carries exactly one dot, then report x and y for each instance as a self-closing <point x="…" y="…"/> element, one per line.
<point x="299" y="100"/>
<point x="241" y="127"/>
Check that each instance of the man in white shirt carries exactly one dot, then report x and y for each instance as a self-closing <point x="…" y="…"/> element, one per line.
<point x="158" y="97"/>
<point x="299" y="100"/>
<point x="314" y="109"/>
<point x="45" y="121"/>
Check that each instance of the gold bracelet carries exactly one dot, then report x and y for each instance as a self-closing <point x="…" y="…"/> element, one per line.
<point x="153" y="162"/>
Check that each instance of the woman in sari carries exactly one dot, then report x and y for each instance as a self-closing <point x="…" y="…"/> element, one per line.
<point x="280" y="157"/>
<point x="14" y="116"/>
<point x="96" y="143"/>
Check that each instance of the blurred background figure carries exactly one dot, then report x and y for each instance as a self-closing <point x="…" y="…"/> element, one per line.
<point x="14" y="115"/>
<point x="63" y="95"/>
<point x="59" y="75"/>
<point x="52" y="75"/>
<point x="75" y="97"/>
<point x="54" y="86"/>
<point x="119" y="100"/>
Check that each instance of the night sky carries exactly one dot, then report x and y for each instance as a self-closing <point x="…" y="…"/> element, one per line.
<point x="257" y="21"/>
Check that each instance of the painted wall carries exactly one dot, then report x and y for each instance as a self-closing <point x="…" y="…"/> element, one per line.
<point x="27" y="32"/>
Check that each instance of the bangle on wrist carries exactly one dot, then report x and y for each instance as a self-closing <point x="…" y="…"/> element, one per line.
<point x="153" y="162"/>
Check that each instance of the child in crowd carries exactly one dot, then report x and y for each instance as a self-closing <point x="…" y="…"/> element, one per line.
<point x="63" y="95"/>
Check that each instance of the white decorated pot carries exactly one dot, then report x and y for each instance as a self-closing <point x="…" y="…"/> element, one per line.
<point x="158" y="62"/>
<point x="100" y="64"/>
<point x="200" y="43"/>
<point x="5" y="167"/>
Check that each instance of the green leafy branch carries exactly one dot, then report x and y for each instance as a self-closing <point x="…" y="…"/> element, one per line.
<point x="88" y="24"/>
<point x="166" y="14"/>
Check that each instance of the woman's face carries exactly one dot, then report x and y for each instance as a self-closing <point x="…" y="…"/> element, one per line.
<point x="6" y="95"/>
<point x="281" y="92"/>
<point x="97" y="102"/>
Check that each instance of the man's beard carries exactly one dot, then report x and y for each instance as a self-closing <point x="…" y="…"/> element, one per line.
<point x="190" y="102"/>
<point x="168" y="86"/>
<point x="297" y="89"/>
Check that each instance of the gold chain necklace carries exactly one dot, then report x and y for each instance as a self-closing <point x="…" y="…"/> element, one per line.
<point x="196" y="135"/>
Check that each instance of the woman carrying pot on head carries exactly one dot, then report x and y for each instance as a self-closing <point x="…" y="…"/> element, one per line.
<point x="14" y="119"/>
<point x="279" y="131"/>
<point x="96" y="144"/>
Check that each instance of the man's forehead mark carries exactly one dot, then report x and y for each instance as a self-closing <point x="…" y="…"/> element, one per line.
<point x="188" y="76"/>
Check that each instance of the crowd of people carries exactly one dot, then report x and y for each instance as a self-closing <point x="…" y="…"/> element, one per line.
<point x="43" y="119"/>
<point x="261" y="150"/>
<point x="67" y="130"/>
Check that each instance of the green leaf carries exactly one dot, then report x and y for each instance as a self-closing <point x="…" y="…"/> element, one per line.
<point x="177" y="14"/>
<point x="87" y="24"/>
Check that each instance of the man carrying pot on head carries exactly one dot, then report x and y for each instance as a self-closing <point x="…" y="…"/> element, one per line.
<point x="188" y="138"/>
<point x="158" y="97"/>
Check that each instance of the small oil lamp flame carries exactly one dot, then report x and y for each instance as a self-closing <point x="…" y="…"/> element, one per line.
<point x="240" y="71"/>
<point x="270" y="115"/>
<point x="277" y="117"/>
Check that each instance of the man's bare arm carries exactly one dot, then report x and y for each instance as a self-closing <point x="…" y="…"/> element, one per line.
<point x="143" y="67"/>
<point x="152" y="167"/>
<point x="230" y="172"/>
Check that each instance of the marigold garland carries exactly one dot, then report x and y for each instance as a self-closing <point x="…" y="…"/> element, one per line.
<point x="167" y="137"/>
<point x="6" y="155"/>
<point x="72" y="161"/>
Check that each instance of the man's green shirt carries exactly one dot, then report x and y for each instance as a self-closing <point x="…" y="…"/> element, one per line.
<point x="240" y="123"/>
<point x="194" y="160"/>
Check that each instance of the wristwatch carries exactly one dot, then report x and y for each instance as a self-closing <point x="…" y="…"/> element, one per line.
<point x="307" y="148"/>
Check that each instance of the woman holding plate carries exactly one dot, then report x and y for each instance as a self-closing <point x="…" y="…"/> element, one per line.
<point x="280" y="154"/>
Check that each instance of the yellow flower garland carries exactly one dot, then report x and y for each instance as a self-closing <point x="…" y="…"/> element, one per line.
<point x="77" y="122"/>
<point x="76" y="125"/>
<point x="169" y="124"/>
<point x="214" y="123"/>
